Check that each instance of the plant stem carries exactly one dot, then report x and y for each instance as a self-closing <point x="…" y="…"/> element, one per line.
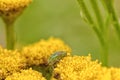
<point x="104" y="54"/>
<point x="104" y="45"/>
<point x="100" y="32"/>
<point x="89" y="19"/>
<point x="103" y="34"/>
<point x="110" y="8"/>
<point x="10" y="36"/>
<point x="115" y="21"/>
<point x="98" y="15"/>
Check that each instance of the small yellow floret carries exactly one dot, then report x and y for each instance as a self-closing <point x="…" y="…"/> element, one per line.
<point x="39" y="52"/>
<point x="26" y="75"/>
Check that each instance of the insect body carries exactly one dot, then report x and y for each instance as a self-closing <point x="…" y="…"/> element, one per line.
<point x="56" y="57"/>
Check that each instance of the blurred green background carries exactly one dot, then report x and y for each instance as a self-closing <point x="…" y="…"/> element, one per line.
<point x="61" y="19"/>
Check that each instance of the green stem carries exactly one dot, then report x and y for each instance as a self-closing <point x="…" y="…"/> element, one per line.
<point x="10" y="36"/>
<point x="116" y="21"/>
<point x="89" y="19"/>
<point x="104" y="53"/>
<point x="98" y="15"/>
<point x="104" y="44"/>
<point x="86" y="12"/>
<point x="99" y="33"/>
<point x="103" y="34"/>
<point x="111" y="11"/>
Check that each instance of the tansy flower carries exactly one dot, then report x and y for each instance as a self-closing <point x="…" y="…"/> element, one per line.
<point x="83" y="68"/>
<point x="10" y="9"/>
<point x="26" y="75"/>
<point x="77" y="68"/>
<point x="39" y="52"/>
<point x="10" y="62"/>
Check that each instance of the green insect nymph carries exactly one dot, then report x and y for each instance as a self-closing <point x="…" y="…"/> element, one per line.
<point x="56" y="57"/>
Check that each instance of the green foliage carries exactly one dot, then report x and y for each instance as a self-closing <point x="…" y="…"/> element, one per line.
<point x="101" y="25"/>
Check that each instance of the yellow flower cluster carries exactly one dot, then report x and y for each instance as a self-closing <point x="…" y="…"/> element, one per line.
<point x="39" y="52"/>
<point x="10" y="9"/>
<point x="70" y="67"/>
<point x="83" y="68"/>
<point x="35" y="54"/>
<point x="10" y="62"/>
<point x="26" y="75"/>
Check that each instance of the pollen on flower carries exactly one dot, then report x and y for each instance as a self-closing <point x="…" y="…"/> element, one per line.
<point x="115" y="73"/>
<point x="83" y="68"/>
<point x="10" y="62"/>
<point x="77" y="68"/>
<point x="10" y="9"/>
<point x="39" y="52"/>
<point x="26" y="75"/>
<point x="6" y="5"/>
<point x="69" y="67"/>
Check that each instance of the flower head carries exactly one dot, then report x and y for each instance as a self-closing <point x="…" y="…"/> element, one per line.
<point x="10" y="9"/>
<point x="83" y="68"/>
<point x="77" y="68"/>
<point x="26" y="75"/>
<point x="10" y="62"/>
<point x="39" y="52"/>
